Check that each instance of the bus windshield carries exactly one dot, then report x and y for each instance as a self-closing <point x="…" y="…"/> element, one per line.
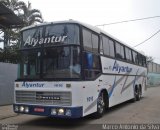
<point x="56" y="62"/>
<point x="62" y="62"/>
<point x="30" y="65"/>
<point x="50" y="51"/>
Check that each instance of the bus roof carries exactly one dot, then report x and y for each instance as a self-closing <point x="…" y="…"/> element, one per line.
<point x="93" y="28"/>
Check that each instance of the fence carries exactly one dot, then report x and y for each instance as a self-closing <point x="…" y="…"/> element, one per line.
<point x="153" y="68"/>
<point x="153" y="74"/>
<point x="8" y="73"/>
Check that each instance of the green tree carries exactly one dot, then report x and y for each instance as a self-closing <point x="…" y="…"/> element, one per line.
<point x="14" y="5"/>
<point x="149" y="59"/>
<point x="30" y="16"/>
<point x="24" y="11"/>
<point x="11" y="36"/>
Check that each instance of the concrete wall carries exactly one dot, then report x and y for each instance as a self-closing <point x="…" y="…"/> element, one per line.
<point x="8" y="73"/>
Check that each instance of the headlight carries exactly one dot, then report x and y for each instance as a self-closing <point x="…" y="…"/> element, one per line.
<point x="26" y="109"/>
<point x="21" y="109"/>
<point x="16" y="108"/>
<point x="53" y="111"/>
<point x="61" y="111"/>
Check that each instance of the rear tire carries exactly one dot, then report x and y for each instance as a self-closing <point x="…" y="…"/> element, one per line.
<point x="137" y="94"/>
<point x="140" y="91"/>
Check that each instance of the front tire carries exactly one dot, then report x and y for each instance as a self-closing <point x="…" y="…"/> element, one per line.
<point x="100" y="106"/>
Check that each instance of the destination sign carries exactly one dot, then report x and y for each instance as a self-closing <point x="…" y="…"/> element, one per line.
<point x="35" y="41"/>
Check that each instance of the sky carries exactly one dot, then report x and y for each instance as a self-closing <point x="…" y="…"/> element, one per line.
<point x="97" y="12"/>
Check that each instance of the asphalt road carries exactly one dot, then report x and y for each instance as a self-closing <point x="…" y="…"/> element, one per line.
<point x="145" y="111"/>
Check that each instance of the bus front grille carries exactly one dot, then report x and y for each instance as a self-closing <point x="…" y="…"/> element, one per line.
<point x="44" y="98"/>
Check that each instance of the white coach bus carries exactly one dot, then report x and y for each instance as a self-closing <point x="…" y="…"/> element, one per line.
<point x="69" y="70"/>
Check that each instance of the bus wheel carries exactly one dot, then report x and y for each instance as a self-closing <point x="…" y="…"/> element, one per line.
<point x="140" y="91"/>
<point x="100" y="106"/>
<point x="138" y="94"/>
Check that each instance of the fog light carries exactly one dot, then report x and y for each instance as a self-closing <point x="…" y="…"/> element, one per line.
<point x="61" y="111"/>
<point x="53" y="111"/>
<point x="26" y="109"/>
<point x="21" y="109"/>
<point x="16" y="108"/>
<point x="68" y="112"/>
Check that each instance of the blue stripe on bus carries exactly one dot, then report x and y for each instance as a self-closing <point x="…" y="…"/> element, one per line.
<point x="113" y="86"/>
<point x="135" y="80"/>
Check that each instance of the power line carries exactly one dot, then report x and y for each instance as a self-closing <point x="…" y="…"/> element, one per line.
<point x="132" y="20"/>
<point x="125" y="21"/>
<point x="148" y="38"/>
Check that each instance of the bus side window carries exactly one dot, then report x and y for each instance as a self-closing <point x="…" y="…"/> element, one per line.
<point x="105" y="45"/>
<point x="128" y="54"/>
<point x="111" y="48"/>
<point x="95" y="42"/>
<point x="101" y="46"/>
<point x="87" y="40"/>
<point x="135" y="57"/>
<point x="140" y="59"/>
<point x="90" y="41"/>
<point x="108" y="46"/>
<point x="119" y="51"/>
<point x="144" y="61"/>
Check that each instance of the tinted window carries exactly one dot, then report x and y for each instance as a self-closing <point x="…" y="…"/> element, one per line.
<point x="101" y="46"/>
<point x="31" y="36"/>
<point x="119" y="51"/>
<point x="91" y="65"/>
<point x="144" y="61"/>
<point x="95" y="43"/>
<point x="108" y="46"/>
<point x="96" y="62"/>
<point x="140" y="59"/>
<point x="128" y="54"/>
<point x="54" y="34"/>
<point x="87" y="40"/>
<point x="90" y="41"/>
<point x="30" y="66"/>
<point x="62" y="33"/>
<point x="111" y="48"/>
<point x="62" y="62"/>
<point x="135" y="57"/>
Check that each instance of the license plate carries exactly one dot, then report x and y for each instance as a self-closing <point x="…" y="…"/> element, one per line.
<point x="39" y="109"/>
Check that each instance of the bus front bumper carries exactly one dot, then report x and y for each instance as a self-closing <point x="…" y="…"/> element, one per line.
<point x="50" y="111"/>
